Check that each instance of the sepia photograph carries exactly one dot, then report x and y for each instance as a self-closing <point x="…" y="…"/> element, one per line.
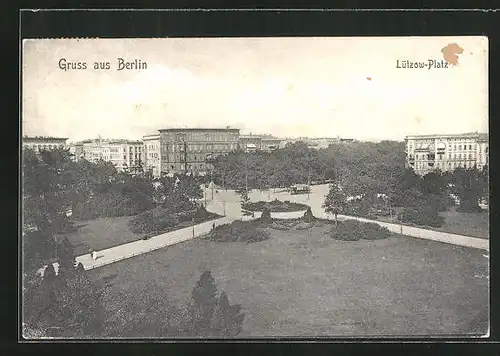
<point x="254" y="187"/>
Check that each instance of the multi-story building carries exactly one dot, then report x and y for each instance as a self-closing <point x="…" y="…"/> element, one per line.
<point x="425" y="153"/>
<point x="152" y="154"/>
<point x="190" y="150"/>
<point x="316" y="142"/>
<point x="322" y="142"/>
<point x="252" y="143"/>
<point x="270" y="143"/>
<point x="126" y="155"/>
<point x="39" y="143"/>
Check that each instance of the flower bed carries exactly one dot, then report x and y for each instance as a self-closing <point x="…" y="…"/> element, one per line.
<point x="275" y="206"/>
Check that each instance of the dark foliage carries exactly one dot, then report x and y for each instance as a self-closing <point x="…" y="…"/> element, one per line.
<point x="308" y="215"/>
<point x="210" y="314"/>
<point x="425" y="215"/>
<point x="154" y="220"/>
<point x="238" y="231"/>
<point x="353" y="230"/>
<point x="274" y="206"/>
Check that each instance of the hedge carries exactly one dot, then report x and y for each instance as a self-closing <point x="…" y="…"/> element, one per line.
<point x="274" y="206"/>
<point x="238" y="231"/>
<point x="425" y="216"/>
<point x="353" y="230"/>
<point x="109" y="205"/>
<point x="154" y="220"/>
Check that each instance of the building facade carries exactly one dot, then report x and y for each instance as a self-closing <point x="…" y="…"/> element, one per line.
<point x="126" y="155"/>
<point x="425" y="153"/>
<point x="38" y="143"/>
<point x="152" y="154"/>
<point x="252" y="143"/>
<point x="190" y="150"/>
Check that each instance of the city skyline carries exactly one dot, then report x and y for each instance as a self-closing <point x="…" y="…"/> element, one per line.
<point x="286" y="87"/>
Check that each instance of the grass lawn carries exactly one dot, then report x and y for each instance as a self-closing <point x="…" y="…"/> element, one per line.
<point x="470" y="224"/>
<point x="104" y="233"/>
<point x="101" y="233"/>
<point x="304" y="283"/>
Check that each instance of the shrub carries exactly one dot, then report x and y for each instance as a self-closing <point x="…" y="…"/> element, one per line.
<point x="107" y="205"/>
<point x="266" y="216"/>
<point x="154" y="220"/>
<point x="238" y="231"/>
<point x="353" y="230"/>
<point x="303" y="226"/>
<point x="278" y="226"/>
<point x="427" y="216"/>
<point x="274" y="206"/>
<point x="308" y="215"/>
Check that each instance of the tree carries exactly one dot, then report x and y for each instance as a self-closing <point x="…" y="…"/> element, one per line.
<point x="468" y="185"/>
<point x="203" y="303"/>
<point x="210" y="314"/>
<point x="64" y="305"/>
<point x="335" y="201"/>
<point x="228" y="319"/>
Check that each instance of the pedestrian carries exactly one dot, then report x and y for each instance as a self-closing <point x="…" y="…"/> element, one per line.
<point x="213" y="226"/>
<point x="94" y="255"/>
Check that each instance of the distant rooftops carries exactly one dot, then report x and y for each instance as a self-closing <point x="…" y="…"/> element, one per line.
<point x="44" y="138"/>
<point x="222" y="129"/>
<point x="110" y="141"/>
<point x="477" y="135"/>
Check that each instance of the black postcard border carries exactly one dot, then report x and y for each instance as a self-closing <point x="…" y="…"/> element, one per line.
<point x="278" y="22"/>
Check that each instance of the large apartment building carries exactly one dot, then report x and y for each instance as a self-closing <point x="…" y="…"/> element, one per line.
<point x="252" y="143"/>
<point x="39" y="143"/>
<point x="189" y="150"/>
<point x="126" y="155"/>
<point x="425" y="153"/>
<point x="152" y="154"/>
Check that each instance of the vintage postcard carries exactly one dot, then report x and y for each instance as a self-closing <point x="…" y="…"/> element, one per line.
<point x="255" y="188"/>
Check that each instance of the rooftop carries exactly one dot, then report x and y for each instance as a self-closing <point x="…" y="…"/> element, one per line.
<point x="44" y="138"/>
<point x="109" y="141"/>
<point x="462" y="135"/>
<point x="222" y="129"/>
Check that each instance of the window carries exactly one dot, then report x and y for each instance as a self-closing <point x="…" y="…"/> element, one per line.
<point x="459" y="147"/>
<point x="460" y="156"/>
<point x="470" y="147"/>
<point x="454" y="147"/>
<point x="449" y="155"/>
<point x="470" y="155"/>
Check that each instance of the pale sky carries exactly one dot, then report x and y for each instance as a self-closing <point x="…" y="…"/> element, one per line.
<point x="309" y="86"/>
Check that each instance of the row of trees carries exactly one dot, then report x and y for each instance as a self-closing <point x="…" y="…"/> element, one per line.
<point x="294" y="164"/>
<point x="68" y="303"/>
<point x="422" y="197"/>
<point x="53" y="184"/>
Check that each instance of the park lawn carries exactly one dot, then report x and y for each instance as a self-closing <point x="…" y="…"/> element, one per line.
<point x="304" y="283"/>
<point x="469" y="224"/>
<point x="103" y="233"/>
